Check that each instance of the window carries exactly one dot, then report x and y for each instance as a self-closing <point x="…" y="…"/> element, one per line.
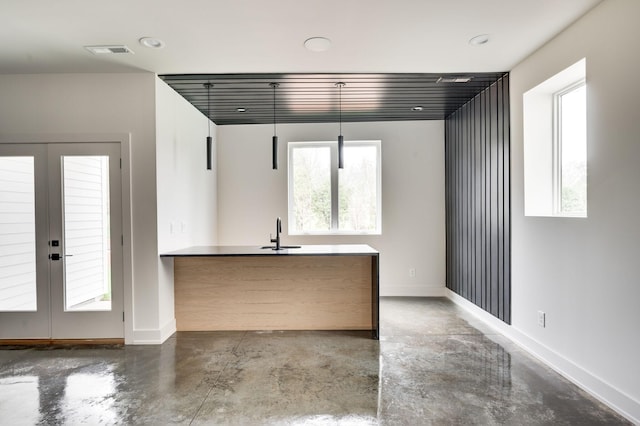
<point x="570" y="151"/>
<point x="555" y="145"/>
<point x="326" y="200"/>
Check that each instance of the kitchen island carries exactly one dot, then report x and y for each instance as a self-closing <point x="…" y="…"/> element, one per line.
<point x="314" y="287"/>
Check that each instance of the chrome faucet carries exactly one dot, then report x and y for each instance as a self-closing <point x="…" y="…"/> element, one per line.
<point x="278" y="231"/>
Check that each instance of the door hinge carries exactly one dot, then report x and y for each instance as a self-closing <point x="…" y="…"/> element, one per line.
<point x="121" y="163"/>
<point x="122" y="316"/>
<point x="121" y="240"/>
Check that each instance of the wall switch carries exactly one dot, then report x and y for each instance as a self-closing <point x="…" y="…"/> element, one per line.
<point x="412" y="272"/>
<point x="542" y="322"/>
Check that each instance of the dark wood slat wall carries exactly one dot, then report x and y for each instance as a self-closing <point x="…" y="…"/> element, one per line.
<point x="477" y="167"/>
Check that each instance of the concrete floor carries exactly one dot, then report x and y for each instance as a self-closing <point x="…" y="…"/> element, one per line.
<point x="434" y="365"/>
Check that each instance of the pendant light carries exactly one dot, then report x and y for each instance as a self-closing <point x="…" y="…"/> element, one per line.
<point x="274" y="140"/>
<point x="340" y="85"/>
<point x="209" y="139"/>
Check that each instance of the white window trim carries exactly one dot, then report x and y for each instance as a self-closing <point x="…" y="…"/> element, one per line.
<point x="541" y="162"/>
<point x="557" y="150"/>
<point x="557" y="147"/>
<point x="333" y="146"/>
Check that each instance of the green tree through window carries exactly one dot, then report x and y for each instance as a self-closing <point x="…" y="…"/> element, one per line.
<point x="324" y="199"/>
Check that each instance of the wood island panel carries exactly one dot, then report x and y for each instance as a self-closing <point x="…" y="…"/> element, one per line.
<point x="274" y="293"/>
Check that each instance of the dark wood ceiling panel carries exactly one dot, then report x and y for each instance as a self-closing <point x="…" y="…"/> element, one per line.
<point x="314" y="98"/>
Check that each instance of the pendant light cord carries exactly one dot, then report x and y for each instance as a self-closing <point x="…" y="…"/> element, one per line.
<point x="339" y="85"/>
<point x="274" y="86"/>
<point x="208" y="85"/>
<point x="340" y="100"/>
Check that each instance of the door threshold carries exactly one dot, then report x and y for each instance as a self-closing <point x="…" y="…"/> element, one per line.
<point x="60" y="343"/>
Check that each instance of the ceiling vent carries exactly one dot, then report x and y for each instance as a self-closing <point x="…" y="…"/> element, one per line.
<point x="459" y="79"/>
<point x="102" y="50"/>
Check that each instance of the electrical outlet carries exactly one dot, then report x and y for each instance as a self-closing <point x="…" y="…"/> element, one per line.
<point x="542" y="320"/>
<point x="412" y="272"/>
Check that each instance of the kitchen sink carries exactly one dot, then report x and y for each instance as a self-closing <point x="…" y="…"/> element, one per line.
<point x="281" y="247"/>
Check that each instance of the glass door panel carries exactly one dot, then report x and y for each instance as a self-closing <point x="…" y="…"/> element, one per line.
<point x="87" y="280"/>
<point x="17" y="234"/>
<point x="24" y="250"/>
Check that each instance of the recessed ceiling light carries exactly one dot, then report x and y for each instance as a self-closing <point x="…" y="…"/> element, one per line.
<point x="241" y="110"/>
<point x="151" y="42"/>
<point x="479" y="40"/>
<point x="417" y="108"/>
<point x="317" y="44"/>
<point x="108" y="49"/>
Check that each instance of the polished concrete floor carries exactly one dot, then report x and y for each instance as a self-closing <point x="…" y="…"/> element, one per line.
<point x="434" y="365"/>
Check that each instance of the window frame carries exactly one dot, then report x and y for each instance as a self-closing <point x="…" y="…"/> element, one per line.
<point x="334" y="182"/>
<point x="557" y="150"/>
<point x="538" y="134"/>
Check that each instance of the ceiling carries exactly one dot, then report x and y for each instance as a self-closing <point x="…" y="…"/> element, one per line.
<point x="249" y="37"/>
<point x="315" y="98"/>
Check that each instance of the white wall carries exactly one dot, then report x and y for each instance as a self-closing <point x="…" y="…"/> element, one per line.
<point x="585" y="273"/>
<point x="187" y="214"/>
<point x="97" y="104"/>
<point x="251" y="195"/>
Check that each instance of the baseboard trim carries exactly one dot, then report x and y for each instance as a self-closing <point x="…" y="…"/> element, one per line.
<point x="168" y="329"/>
<point x="598" y="388"/>
<point x="154" y="336"/>
<point x="61" y="342"/>
<point x="412" y="291"/>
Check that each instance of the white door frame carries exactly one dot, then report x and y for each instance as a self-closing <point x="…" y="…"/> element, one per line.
<point x="124" y="139"/>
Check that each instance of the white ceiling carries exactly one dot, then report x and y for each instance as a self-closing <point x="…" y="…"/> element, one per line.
<point x="262" y="36"/>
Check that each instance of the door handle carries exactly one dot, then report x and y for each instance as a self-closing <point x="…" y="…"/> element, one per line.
<point x="56" y="256"/>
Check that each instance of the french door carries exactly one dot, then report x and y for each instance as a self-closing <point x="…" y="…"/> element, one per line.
<point x="60" y="241"/>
